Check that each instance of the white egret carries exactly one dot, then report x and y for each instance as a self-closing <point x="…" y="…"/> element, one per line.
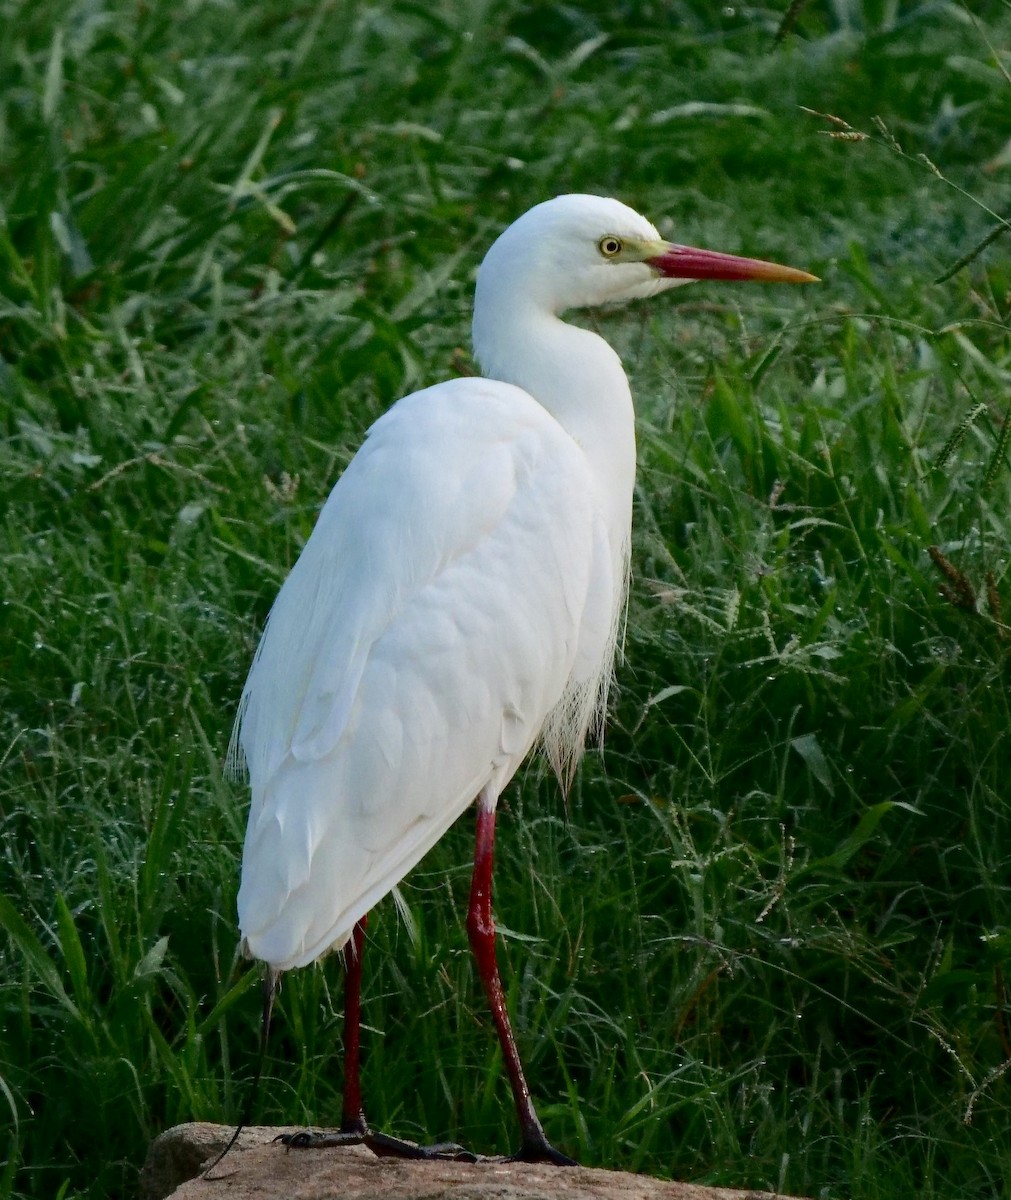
<point x="460" y="597"/>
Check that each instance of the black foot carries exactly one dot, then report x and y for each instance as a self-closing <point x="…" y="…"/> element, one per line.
<point x="383" y="1145"/>
<point x="541" y="1151"/>
<point x="316" y="1139"/>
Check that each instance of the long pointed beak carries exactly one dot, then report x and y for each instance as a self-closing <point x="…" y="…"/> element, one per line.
<point x="687" y="262"/>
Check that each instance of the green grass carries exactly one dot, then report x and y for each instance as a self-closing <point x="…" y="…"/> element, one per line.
<point x="768" y="943"/>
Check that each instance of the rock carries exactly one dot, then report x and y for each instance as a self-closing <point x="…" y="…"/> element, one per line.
<point x="255" y="1169"/>
<point x="184" y="1151"/>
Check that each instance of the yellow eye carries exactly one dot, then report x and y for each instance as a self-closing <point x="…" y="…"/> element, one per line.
<point x="609" y="245"/>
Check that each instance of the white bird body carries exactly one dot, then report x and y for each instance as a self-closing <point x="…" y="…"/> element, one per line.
<point x="460" y="586"/>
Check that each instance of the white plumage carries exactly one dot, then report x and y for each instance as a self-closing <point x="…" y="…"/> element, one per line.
<point x="430" y="625"/>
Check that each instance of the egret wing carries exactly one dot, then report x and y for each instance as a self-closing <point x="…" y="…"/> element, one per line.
<point x="427" y="630"/>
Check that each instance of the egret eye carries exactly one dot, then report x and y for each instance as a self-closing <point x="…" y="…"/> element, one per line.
<point x="609" y="245"/>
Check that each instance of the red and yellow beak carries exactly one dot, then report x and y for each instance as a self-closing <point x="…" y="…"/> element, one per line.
<point x="687" y="262"/>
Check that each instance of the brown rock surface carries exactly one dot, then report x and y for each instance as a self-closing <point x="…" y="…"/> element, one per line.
<point x="257" y="1170"/>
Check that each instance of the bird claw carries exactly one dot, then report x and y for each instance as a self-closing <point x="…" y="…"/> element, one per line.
<point x="315" y="1139"/>
<point x="383" y="1145"/>
<point x="541" y="1152"/>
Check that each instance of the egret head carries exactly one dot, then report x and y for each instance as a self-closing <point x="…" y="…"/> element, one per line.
<point x="578" y="251"/>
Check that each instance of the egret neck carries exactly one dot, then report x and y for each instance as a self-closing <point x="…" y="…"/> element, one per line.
<point x="579" y="380"/>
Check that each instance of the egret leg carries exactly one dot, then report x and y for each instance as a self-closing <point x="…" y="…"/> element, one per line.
<point x="354" y="1130"/>
<point x="353" y="1114"/>
<point x="535" y="1147"/>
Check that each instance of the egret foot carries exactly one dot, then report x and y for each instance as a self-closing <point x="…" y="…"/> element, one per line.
<point x="383" y="1145"/>
<point x="318" y="1139"/>
<point x="540" y="1150"/>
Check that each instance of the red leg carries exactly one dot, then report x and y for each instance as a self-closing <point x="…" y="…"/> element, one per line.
<point x="353" y="1116"/>
<point x="354" y="1128"/>
<point x="481" y="930"/>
